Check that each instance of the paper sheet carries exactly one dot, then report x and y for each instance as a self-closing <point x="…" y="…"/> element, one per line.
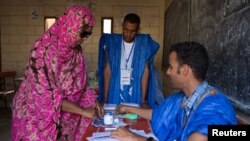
<point x="131" y="104"/>
<point x="104" y="136"/>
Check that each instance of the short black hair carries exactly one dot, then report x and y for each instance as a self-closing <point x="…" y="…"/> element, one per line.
<point x="132" y="18"/>
<point x="193" y="54"/>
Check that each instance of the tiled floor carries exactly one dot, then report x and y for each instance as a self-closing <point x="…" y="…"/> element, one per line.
<point x="5" y="121"/>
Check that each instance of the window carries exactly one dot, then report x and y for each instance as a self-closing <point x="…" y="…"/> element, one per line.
<point x="48" y="21"/>
<point x="107" y="25"/>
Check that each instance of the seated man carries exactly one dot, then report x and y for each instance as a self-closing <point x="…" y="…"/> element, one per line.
<point x="186" y="114"/>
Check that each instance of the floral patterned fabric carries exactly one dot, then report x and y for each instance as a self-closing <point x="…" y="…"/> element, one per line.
<point x="56" y="70"/>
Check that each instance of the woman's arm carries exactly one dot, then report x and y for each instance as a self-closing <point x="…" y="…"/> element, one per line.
<point x="71" y="107"/>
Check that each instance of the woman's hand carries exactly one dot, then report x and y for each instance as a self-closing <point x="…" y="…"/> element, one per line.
<point x="89" y="112"/>
<point x="68" y="106"/>
<point x="99" y="109"/>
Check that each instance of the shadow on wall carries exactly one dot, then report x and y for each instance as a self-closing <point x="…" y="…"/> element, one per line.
<point x="166" y="86"/>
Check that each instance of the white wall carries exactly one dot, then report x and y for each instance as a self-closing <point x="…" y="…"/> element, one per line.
<point x="19" y="30"/>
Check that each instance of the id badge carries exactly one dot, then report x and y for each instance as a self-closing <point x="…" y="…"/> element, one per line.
<point x="125" y="77"/>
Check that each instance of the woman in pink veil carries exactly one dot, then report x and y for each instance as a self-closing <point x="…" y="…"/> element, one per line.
<point x="54" y="101"/>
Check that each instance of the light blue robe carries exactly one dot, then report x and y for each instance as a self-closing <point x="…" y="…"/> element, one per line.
<point x="144" y="51"/>
<point x="215" y="109"/>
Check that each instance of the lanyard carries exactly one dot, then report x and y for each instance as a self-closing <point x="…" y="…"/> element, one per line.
<point x="127" y="59"/>
<point x="186" y="117"/>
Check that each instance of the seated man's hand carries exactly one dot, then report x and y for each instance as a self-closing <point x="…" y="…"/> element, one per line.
<point x="145" y="105"/>
<point x="122" y="109"/>
<point x="125" y="135"/>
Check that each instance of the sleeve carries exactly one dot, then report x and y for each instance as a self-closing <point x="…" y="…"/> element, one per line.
<point x="164" y="118"/>
<point x="101" y="65"/>
<point x="152" y="50"/>
<point x="214" y="110"/>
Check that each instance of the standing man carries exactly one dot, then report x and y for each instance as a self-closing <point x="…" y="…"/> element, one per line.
<point x="186" y="114"/>
<point x="126" y="65"/>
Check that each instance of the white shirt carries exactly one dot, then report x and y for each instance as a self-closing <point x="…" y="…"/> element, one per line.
<point x="125" y="52"/>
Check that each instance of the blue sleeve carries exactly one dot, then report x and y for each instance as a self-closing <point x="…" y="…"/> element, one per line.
<point x="152" y="48"/>
<point x="164" y="121"/>
<point x="213" y="110"/>
<point x="101" y="65"/>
